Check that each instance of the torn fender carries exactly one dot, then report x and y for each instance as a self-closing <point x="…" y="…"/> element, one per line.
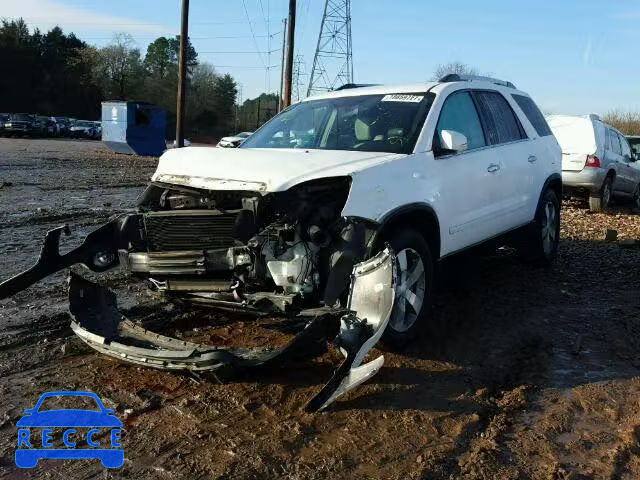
<point x="97" y="321"/>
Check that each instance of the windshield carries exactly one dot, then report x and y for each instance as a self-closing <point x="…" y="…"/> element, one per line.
<point x="369" y="123"/>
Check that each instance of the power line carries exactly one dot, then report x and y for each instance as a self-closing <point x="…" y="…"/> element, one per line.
<point x="255" y="42"/>
<point x="266" y="20"/>
<point x="240" y="53"/>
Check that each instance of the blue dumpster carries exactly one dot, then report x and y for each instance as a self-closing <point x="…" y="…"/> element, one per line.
<point x="134" y="128"/>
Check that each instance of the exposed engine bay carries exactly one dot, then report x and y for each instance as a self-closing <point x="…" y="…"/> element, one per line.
<point x="285" y="252"/>
<point x="236" y="249"/>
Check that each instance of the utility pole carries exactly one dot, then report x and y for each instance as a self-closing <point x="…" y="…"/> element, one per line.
<point x="258" y="116"/>
<point x="182" y="73"/>
<point x="288" y="76"/>
<point x="284" y="42"/>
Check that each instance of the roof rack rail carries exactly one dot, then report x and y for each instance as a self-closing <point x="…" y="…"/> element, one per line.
<point x="456" y="77"/>
<point x="347" y="86"/>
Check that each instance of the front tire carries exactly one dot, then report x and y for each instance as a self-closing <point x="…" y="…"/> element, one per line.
<point x="540" y="244"/>
<point x="414" y="289"/>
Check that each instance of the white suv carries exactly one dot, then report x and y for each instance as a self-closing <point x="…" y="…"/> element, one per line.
<point x="278" y="224"/>
<point x="297" y="216"/>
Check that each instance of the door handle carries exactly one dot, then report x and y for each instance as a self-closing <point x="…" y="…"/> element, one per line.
<point x="493" y="168"/>
<point x="532" y="159"/>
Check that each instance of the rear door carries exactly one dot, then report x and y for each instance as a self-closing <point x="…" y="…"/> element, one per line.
<point x="615" y="161"/>
<point x="545" y="148"/>
<point x="513" y="189"/>
<point x="629" y="172"/>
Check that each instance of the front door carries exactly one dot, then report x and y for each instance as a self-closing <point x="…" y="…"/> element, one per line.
<point x="469" y="178"/>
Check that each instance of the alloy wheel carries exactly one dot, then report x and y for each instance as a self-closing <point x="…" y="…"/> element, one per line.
<point x="606" y="194"/>
<point x="410" y="290"/>
<point x="549" y="227"/>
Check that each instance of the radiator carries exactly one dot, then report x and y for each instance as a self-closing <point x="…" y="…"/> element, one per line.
<point x="188" y="230"/>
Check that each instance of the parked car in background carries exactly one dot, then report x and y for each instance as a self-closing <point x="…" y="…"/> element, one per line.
<point x="597" y="160"/>
<point x="47" y="126"/>
<point x="634" y="141"/>
<point x="64" y="125"/>
<point x="22" y="124"/>
<point x="82" y="129"/>
<point x="4" y="117"/>
<point x="234" y="141"/>
<point x="97" y="131"/>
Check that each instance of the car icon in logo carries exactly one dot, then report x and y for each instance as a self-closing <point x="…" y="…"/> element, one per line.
<point x="32" y="447"/>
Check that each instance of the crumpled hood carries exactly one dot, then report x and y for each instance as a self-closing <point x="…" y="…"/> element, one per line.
<point x="259" y="169"/>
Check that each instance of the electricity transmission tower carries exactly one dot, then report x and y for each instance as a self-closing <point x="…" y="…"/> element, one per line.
<point x="298" y="78"/>
<point x="333" y="61"/>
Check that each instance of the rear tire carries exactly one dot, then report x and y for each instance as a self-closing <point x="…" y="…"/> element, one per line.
<point x="540" y="242"/>
<point x="414" y="289"/>
<point x="601" y="202"/>
<point x="635" y="202"/>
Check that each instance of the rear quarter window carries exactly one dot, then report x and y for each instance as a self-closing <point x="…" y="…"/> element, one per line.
<point x="533" y="114"/>
<point x="500" y="121"/>
<point x="615" y="142"/>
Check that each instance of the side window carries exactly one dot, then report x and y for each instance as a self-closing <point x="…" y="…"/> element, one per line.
<point x="534" y="115"/>
<point x="615" y="142"/>
<point x="626" y="149"/>
<point x="501" y="124"/>
<point x="459" y="114"/>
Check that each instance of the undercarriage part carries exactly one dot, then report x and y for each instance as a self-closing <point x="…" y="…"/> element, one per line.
<point x="98" y="252"/>
<point x="97" y="321"/>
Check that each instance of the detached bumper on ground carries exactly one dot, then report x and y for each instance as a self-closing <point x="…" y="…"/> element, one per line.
<point x="354" y="329"/>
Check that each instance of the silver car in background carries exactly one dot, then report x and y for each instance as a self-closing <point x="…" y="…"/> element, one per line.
<point x="235" y="141"/>
<point x="597" y="160"/>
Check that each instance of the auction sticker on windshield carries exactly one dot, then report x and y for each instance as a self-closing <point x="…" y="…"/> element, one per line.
<point x="396" y="97"/>
<point x="69" y="433"/>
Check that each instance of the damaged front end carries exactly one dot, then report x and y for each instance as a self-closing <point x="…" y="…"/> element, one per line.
<point x="280" y="252"/>
<point x="355" y="329"/>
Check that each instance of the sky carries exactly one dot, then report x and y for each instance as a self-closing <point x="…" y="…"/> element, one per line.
<point x="571" y="56"/>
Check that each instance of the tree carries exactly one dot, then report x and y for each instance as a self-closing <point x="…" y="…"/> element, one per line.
<point x="254" y="112"/>
<point x="45" y="72"/>
<point x="162" y="57"/>
<point x="120" y="68"/>
<point x="459" y="68"/>
<point x="54" y="73"/>
<point x="224" y="95"/>
<point x="627" y="122"/>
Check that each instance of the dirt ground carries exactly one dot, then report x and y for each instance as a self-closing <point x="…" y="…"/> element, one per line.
<point x="525" y="373"/>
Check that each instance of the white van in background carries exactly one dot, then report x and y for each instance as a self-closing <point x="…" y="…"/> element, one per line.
<point x="596" y="160"/>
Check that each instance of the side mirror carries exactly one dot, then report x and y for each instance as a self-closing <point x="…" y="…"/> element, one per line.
<point x="453" y="141"/>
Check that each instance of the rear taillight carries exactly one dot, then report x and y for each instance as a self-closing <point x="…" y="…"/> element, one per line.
<point x="592" y="161"/>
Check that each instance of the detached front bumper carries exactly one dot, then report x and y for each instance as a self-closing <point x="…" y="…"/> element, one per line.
<point x="97" y="321"/>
